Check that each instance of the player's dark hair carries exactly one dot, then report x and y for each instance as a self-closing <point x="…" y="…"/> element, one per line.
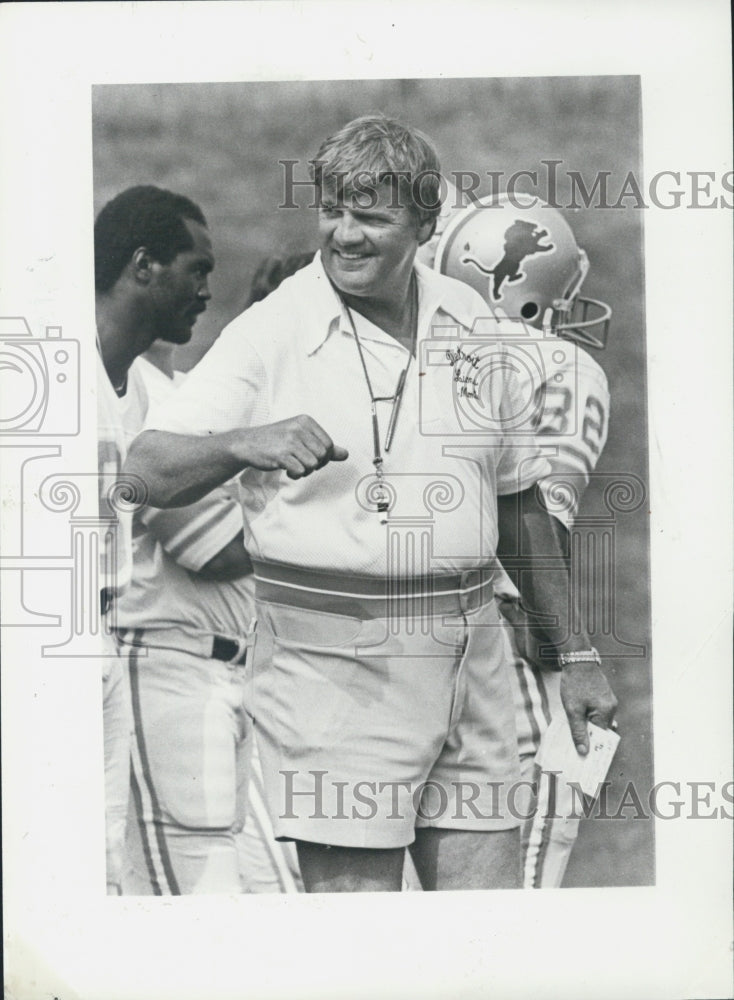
<point x="142" y="216"/>
<point x="271" y="271"/>
<point x="375" y="149"/>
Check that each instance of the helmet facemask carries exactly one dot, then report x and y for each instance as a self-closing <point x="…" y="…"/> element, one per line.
<point x="569" y="316"/>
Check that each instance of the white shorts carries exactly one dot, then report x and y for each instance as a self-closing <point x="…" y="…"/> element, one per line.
<point x="366" y="731"/>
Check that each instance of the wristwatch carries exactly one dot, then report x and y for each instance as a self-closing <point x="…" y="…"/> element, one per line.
<point x="580" y="656"/>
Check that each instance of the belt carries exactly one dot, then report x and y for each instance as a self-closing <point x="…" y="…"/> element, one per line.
<point x="232" y="651"/>
<point x="370" y="596"/>
<point x="204" y="644"/>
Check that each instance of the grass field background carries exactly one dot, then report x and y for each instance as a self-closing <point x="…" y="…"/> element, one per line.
<point x="220" y="144"/>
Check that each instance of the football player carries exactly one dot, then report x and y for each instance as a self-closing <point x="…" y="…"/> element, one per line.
<point x="151" y="258"/>
<point x="522" y="257"/>
<point x="181" y="617"/>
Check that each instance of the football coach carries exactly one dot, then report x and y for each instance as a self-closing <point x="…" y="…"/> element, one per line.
<point x="381" y="694"/>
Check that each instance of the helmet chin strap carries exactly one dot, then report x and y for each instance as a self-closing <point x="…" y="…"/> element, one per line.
<point x="547" y="323"/>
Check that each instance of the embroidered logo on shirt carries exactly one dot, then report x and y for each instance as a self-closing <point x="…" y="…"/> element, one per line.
<point x="464" y="367"/>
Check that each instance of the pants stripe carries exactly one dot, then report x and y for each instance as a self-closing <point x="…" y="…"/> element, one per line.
<point x="551" y="780"/>
<point x="141" y="763"/>
<point x="532" y="833"/>
<point x="522" y="677"/>
<point x="265" y="830"/>
<point x="137" y="798"/>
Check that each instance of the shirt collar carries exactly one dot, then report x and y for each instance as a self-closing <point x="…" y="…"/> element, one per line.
<point x="324" y="312"/>
<point x="437" y="291"/>
<point x="321" y="307"/>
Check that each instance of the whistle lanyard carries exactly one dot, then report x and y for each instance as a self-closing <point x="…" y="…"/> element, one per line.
<point x="381" y="495"/>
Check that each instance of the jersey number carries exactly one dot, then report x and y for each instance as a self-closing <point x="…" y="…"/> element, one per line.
<point x="554" y="418"/>
<point x="592" y="431"/>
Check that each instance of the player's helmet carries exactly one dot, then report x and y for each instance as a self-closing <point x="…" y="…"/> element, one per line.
<point x="521" y="256"/>
<point x="450" y="204"/>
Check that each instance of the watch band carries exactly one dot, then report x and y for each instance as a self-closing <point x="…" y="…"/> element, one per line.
<point x="580" y="656"/>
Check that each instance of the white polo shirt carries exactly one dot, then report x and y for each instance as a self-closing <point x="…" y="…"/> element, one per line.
<point x="460" y="437"/>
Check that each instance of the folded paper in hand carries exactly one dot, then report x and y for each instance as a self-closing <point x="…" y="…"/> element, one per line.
<point x="558" y="753"/>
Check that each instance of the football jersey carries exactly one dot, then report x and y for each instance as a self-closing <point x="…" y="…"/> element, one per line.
<point x="572" y="414"/>
<point x="569" y="393"/>
<point x="115" y="554"/>
<point x="565" y="387"/>
<point x="171" y="546"/>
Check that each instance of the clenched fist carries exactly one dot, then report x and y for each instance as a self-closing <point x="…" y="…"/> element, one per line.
<point x="298" y="445"/>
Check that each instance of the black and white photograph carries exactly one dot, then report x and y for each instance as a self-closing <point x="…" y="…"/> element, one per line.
<point x="566" y="237"/>
<point x="356" y="440"/>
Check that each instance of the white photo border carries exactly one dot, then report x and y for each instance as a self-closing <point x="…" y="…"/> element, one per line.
<point x="62" y="938"/>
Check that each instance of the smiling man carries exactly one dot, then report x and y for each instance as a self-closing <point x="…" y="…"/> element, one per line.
<point x="381" y="696"/>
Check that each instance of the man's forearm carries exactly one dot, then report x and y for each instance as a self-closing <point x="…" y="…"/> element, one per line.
<point x="178" y="469"/>
<point x="533" y="549"/>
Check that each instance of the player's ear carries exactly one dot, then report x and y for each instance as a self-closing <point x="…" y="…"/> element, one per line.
<point x="141" y="264"/>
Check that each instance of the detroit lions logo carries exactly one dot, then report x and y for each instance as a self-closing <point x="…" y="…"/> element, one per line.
<point x="522" y="239"/>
